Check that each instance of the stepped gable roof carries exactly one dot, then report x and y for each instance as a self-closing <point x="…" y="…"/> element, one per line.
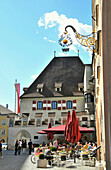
<point x="64" y="71"/>
<point x="4" y="110"/>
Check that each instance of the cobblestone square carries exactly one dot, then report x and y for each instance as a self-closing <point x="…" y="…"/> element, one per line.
<point x="23" y="162"/>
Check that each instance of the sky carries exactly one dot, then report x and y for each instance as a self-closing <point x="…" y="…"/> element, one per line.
<point x="29" y="34"/>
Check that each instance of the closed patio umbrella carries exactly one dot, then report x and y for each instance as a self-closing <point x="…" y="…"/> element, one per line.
<point x="74" y="130"/>
<point x="49" y="134"/>
<point x="66" y="127"/>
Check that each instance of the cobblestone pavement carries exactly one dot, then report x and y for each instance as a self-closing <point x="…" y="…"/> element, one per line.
<point x="23" y="162"/>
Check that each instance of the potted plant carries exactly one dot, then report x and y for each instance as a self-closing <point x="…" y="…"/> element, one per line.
<point x="41" y="156"/>
<point x="53" y="148"/>
<point x="41" y="162"/>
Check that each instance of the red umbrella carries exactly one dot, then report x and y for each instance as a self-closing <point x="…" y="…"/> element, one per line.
<point x="50" y="134"/>
<point x="41" y="132"/>
<point x="74" y="130"/>
<point x="60" y="129"/>
<point x="66" y="127"/>
<point x="74" y="127"/>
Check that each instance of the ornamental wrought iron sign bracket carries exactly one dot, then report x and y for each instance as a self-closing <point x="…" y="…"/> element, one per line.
<point x="85" y="40"/>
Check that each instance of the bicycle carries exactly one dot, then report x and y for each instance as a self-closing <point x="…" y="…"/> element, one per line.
<point x="33" y="158"/>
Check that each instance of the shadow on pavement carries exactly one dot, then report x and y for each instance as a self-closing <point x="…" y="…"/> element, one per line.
<point x="11" y="161"/>
<point x="72" y="166"/>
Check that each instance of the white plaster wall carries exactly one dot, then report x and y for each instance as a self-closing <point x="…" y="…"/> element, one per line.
<point x="26" y="106"/>
<point x="87" y="77"/>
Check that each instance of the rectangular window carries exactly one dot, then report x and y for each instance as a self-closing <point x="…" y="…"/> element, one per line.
<point x="11" y="123"/>
<point x="2" y="131"/>
<point x="35" y="137"/>
<point x="99" y="39"/>
<point x="69" y="104"/>
<point x="54" y="105"/>
<point x="89" y="98"/>
<point x="84" y="118"/>
<point x="39" y="105"/>
<point x="97" y="15"/>
<point x="3" y="122"/>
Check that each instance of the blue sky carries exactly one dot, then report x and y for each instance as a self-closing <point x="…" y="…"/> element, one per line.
<point x="29" y="34"/>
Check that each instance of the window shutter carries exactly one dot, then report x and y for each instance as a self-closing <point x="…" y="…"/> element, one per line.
<point x="49" y="105"/>
<point x="33" y="105"/>
<point x="63" y="104"/>
<point x="74" y="104"/>
<point x="59" y="104"/>
<point x="44" y="105"/>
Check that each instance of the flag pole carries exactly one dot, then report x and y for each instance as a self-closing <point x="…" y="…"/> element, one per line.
<point x="15" y="95"/>
<point x="74" y="151"/>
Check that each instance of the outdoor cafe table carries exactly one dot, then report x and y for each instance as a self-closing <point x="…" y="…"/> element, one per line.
<point x="57" y="157"/>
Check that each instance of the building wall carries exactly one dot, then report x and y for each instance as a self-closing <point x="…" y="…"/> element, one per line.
<point x="87" y="76"/>
<point x="3" y="127"/>
<point x="26" y="106"/>
<point x="98" y="75"/>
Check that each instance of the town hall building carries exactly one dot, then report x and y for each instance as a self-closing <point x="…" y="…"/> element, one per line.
<point x="64" y="85"/>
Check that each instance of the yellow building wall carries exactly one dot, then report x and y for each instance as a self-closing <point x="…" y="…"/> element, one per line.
<point x="4" y="136"/>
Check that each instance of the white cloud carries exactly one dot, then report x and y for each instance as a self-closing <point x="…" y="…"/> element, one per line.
<point x="40" y="22"/>
<point x="45" y="38"/>
<point x="52" y="19"/>
<point x="52" y="41"/>
<point x="34" y="76"/>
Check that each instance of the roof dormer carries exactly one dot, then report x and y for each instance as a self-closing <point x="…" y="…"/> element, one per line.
<point x="58" y="87"/>
<point x="40" y="87"/>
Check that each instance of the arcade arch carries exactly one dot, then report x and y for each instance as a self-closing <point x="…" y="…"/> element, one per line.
<point x="23" y="134"/>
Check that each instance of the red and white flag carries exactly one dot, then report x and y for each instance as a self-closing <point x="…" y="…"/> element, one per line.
<point x="17" y="87"/>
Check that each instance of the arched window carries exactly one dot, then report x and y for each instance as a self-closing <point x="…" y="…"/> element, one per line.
<point x="39" y="105"/>
<point x="69" y="104"/>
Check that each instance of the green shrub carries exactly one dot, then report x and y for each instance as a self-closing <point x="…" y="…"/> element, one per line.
<point x="53" y="148"/>
<point x="41" y="156"/>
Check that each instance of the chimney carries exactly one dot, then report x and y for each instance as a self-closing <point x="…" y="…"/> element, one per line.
<point x="54" y="53"/>
<point x="25" y="89"/>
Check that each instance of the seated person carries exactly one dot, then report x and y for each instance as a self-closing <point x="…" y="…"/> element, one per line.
<point x="78" y="146"/>
<point x="48" y="155"/>
<point x="89" y="146"/>
<point x="86" y="146"/>
<point x="50" y="144"/>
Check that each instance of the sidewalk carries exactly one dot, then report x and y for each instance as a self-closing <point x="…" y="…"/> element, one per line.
<point x="23" y="162"/>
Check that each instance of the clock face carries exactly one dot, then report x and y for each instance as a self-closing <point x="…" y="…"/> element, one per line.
<point x="65" y="40"/>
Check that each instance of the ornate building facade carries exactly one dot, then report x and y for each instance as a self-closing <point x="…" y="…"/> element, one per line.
<point x="58" y="89"/>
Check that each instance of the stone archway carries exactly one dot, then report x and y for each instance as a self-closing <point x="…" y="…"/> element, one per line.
<point x="23" y="134"/>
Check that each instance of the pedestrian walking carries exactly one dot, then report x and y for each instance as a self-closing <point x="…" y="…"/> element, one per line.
<point x="1" y="149"/>
<point x="16" y="147"/>
<point x="19" y="146"/>
<point x="24" y="146"/>
<point x="30" y="144"/>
